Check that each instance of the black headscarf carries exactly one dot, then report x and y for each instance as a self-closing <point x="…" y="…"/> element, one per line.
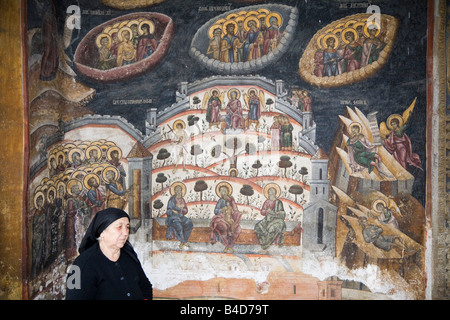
<point x="100" y="222"/>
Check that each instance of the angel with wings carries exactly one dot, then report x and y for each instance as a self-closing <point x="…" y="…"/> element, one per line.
<point x="395" y="139"/>
<point x="255" y="104"/>
<point x="213" y="104"/>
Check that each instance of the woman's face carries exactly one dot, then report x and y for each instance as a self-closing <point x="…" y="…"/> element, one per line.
<point x="116" y="234"/>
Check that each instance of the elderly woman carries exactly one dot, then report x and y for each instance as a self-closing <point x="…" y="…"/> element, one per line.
<point x="109" y="268"/>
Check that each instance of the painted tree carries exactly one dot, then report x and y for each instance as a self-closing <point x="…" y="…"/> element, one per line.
<point x="303" y="172"/>
<point x="284" y="163"/>
<point x="200" y="186"/>
<point x="158" y="205"/>
<point x="193" y="120"/>
<point x="247" y="191"/>
<point x="161" y="178"/>
<point x="256" y="166"/>
<point x="296" y="189"/>
<point x="163" y="154"/>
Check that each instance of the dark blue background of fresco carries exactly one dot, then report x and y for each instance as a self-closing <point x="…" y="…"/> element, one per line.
<point x="391" y="90"/>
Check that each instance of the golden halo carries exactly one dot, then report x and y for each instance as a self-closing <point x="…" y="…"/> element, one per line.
<point x="357" y="24"/>
<point x="233" y="170"/>
<point x="252" y="89"/>
<point x="50" y="166"/>
<point x="262" y="16"/>
<point x="355" y="124"/>
<point x="36" y="196"/>
<point x="176" y="123"/>
<point x="242" y="13"/>
<point x="344" y="32"/>
<point x="337" y="30"/>
<point x="150" y="24"/>
<point x="248" y="19"/>
<point x="133" y="22"/>
<point x="52" y="188"/>
<point x="401" y="122"/>
<point x="62" y="184"/>
<point x="350" y="23"/>
<point x="252" y="13"/>
<point x="77" y="173"/>
<point x="106" y="170"/>
<point x="101" y="36"/>
<point x="71" y="183"/>
<point x="376" y="202"/>
<point x="175" y="184"/>
<point x="269" y="186"/>
<point x="319" y="40"/>
<point x="225" y="25"/>
<point x="274" y="15"/>
<point x="60" y="154"/>
<point x="226" y="185"/>
<point x="231" y="16"/>
<point x="234" y="90"/>
<point x="98" y="170"/>
<point x="89" y="176"/>
<point x="121" y="24"/>
<point x="326" y="37"/>
<point x="93" y="147"/>
<point x="212" y="90"/>
<point x="111" y="149"/>
<point x="122" y="30"/>
<point x="74" y="150"/>
<point x="262" y="10"/>
<point x="212" y="28"/>
<point x="239" y="18"/>
<point x="112" y="31"/>
<point x="366" y="31"/>
<point x="339" y="25"/>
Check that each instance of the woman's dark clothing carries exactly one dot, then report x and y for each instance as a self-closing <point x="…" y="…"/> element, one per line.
<point x="103" y="279"/>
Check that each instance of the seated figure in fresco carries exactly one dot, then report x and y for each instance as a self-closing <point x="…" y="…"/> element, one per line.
<point x="178" y="225"/>
<point x="271" y="229"/>
<point x="234" y="111"/>
<point x="106" y="59"/>
<point x="359" y="151"/>
<point x="146" y="44"/>
<point x="221" y="229"/>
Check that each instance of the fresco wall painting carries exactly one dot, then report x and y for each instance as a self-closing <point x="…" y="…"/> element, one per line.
<point x="247" y="175"/>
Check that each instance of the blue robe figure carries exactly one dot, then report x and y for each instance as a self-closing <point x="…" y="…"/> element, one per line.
<point x="178" y="225"/>
<point x="254" y="108"/>
<point x="330" y="62"/>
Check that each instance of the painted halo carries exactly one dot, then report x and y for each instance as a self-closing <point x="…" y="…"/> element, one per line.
<point x="275" y="15"/>
<point x="225" y="25"/>
<point x="108" y="169"/>
<point x="36" y="196"/>
<point x="349" y="29"/>
<point x="353" y="124"/>
<point x="75" y="150"/>
<point x="111" y="149"/>
<point x="366" y="28"/>
<point x="151" y="26"/>
<point x="401" y="122"/>
<point x="270" y="186"/>
<point x="213" y="28"/>
<point x="176" y="123"/>
<point x="176" y="184"/>
<point x="71" y="183"/>
<point x="226" y="185"/>
<point x="375" y="203"/>
<point x="51" y="188"/>
<point x="61" y="185"/>
<point x="93" y="147"/>
<point x="238" y="93"/>
<point x="326" y="37"/>
<point x="100" y="37"/>
<point x="121" y="30"/>
<point x="248" y="19"/>
<point x="88" y="177"/>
